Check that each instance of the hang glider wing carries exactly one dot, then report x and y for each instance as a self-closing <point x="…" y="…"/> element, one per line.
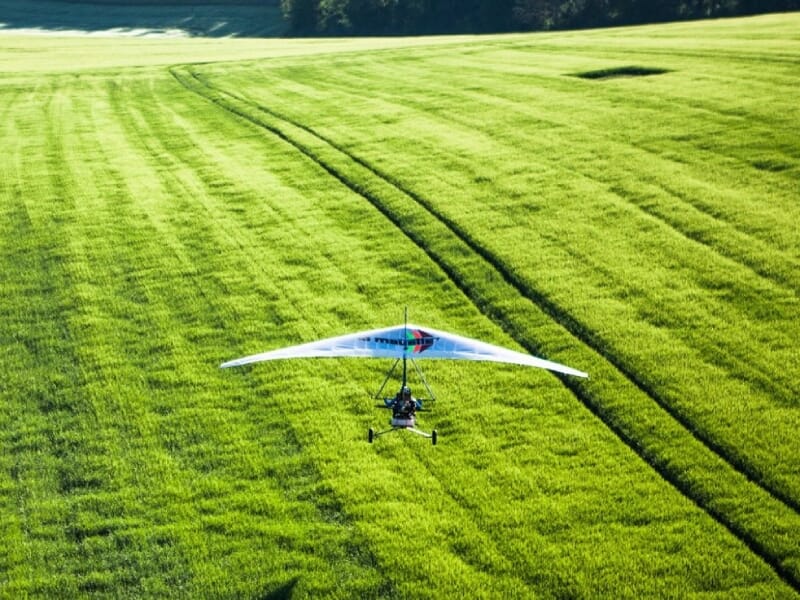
<point x="410" y="341"/>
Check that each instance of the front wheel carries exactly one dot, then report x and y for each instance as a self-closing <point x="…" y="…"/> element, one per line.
<point x="371" y="435"/>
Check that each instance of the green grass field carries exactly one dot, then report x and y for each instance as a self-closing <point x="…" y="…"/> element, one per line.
<point x="166" y="205"/>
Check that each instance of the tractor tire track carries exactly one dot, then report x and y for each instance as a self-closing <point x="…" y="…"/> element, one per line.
<point x="467" y="255"/>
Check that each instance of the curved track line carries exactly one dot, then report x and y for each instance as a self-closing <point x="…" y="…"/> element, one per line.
<point x="191" y="81"/>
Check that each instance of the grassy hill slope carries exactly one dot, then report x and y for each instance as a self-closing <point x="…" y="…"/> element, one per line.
<point x="158" y="220"/>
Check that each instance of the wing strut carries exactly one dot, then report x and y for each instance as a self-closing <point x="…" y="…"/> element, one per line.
<point x="379" y="394"/>
<point x="405" y="347"/>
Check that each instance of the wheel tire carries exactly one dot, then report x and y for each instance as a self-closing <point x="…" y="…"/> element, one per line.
<point x="433" y="437"/>
<point x="371" y="435"/>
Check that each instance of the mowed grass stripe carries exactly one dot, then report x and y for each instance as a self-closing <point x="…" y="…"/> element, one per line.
<point x="120" y="394"/>
<point x="759" y="542"/>
<point x="33" y="382"/>
<point x="72" y="458"/>
<point x="116" y="306"/>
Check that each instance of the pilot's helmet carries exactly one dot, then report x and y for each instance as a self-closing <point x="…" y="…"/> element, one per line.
<point x="406" y="390"/>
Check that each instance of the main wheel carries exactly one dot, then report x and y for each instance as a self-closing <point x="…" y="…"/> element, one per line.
<point x="371" y="435"/>
<point x="433" y="437"/>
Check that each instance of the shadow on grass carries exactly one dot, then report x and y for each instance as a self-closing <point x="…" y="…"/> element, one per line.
<point x="284" y="592"/>
<point x="630" y="71"/>
<point x="179" y="18"/>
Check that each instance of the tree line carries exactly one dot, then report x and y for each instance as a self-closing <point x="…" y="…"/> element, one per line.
<point x="416" y="17"/>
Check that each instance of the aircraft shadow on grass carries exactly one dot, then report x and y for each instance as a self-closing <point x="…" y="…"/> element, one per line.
<point x="283" y="592"/>
<point x="52" y="16"/>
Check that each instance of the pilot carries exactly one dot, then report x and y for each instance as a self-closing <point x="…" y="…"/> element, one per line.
<point x="408" y="404"/>
<point x="404" y="403"/>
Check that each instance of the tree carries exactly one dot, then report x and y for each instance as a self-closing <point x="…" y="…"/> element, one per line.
<point x="415" y="17"/>
<point x="534" y="14"/>
<point x="301" y="14"/>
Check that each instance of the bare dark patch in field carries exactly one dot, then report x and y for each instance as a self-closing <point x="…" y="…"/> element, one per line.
<point x="615" y="72"/>
<point x="771" y="165"/>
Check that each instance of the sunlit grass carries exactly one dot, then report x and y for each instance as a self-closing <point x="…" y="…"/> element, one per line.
<point x="616" y="225"/>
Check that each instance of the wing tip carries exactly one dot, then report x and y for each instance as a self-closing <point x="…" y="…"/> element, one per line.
<point x="231" y="363"/>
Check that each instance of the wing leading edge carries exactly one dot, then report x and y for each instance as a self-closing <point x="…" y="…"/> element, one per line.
<point x="410" y="341"/>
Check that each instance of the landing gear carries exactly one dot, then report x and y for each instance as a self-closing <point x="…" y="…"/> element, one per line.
<point x="372" y="434"/>
<point x="403" y="405"/>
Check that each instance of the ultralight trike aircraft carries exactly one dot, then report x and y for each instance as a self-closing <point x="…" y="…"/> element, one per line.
<point x="405" y="343"/>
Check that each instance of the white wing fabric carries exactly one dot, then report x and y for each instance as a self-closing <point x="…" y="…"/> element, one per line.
<point x="410" y="341"/>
